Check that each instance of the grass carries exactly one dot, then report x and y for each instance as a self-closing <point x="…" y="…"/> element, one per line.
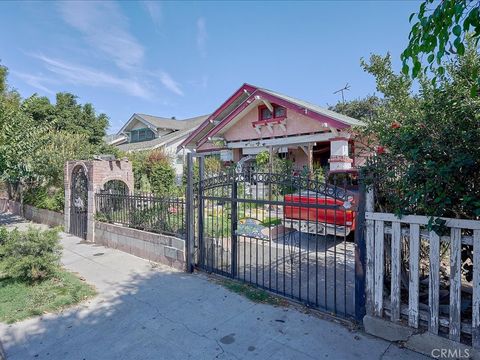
<point x="252" y="293"/>
<point x="20" y="300"/>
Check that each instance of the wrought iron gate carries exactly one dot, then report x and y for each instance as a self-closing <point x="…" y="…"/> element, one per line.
<point x="289" y="234"/>
<point x="79" y="203"/>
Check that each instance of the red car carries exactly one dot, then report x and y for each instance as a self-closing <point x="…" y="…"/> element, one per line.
<point x="339" y="221"/>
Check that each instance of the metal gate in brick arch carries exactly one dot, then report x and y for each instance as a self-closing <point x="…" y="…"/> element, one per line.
<point x="79" y="202"/>
<point x="288" y="234"/>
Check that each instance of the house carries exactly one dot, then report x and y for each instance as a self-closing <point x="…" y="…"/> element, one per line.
<point x="147" y="132"/>
<point x="254" y="119"/>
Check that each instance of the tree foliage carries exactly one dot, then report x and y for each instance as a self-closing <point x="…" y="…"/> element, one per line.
<point x="365" y="108"/>
<point x="429" y="157"/>
<point x="153" y="172"/>
<point x="37" y="137"/>
<point x="438" y="31"/>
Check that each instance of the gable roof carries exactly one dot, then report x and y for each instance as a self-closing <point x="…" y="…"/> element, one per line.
<point x="157" y="122"/>
<point x="246" y="96"/>
<point x="189" y="125"/>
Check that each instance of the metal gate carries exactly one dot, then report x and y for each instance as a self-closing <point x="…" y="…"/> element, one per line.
<point x="79" y="203"/>
<point x="288" y="234"/>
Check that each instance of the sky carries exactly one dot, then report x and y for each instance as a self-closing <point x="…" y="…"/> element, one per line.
<point x="184" y="59"/>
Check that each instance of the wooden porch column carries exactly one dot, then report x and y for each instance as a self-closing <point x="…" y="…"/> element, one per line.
<point x="310" y="158"/>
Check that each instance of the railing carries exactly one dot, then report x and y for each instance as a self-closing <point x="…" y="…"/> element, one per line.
<point x="421" y="278"/>
<point x="147" y="212"/>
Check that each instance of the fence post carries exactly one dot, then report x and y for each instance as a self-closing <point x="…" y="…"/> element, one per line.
<point x="234" y="224"/>
<point x="190" y="245"/>
<point x="360" y="255"/>
<point x="201" y="174"/>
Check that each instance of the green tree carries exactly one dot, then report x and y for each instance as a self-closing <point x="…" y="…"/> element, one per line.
<point x="431" y="159"/>
<point x="439" y="31"/>
<point x="360" y="108"/>
<point x="37" y="137"/>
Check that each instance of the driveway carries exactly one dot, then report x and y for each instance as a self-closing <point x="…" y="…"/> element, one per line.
<point x="148" y="311"/>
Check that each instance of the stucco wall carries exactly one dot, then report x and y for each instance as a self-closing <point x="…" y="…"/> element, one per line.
<point x="167" y="250"/>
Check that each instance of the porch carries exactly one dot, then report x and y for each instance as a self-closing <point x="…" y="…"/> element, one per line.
<point x="334" y="152"/>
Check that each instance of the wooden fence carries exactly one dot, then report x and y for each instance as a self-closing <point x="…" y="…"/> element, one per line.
<point x="409" y="284"/>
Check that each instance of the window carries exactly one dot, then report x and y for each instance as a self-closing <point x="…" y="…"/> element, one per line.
<point x="279" y="111"/>
<point x="266" y="114"/>
<point x="141" y="135"/>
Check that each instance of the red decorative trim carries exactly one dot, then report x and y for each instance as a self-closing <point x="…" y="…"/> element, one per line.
<point x="340" y="138"/>
<point x="263" y="107"/>
<point x="341" y="159"/>
<point x="227" y="103"/>
<point x="273" y="99"/>
<point x="270" y="121"/>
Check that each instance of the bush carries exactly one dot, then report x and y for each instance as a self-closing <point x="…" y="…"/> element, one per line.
<point x="51" y="199"/>
<point x="32" y="255"/>
<point x="162" y="178"/>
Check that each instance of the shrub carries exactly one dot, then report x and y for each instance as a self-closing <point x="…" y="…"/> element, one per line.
<point x="51" y="199"/>
<point x="31" y="255"/>
<point x="162" y="178"/>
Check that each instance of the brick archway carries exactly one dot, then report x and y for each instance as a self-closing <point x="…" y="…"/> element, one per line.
<point x="98" y="172"/>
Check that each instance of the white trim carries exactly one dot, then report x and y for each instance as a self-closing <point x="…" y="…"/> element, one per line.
<point x="142" y="120"/>
<point x="284" y="141"/>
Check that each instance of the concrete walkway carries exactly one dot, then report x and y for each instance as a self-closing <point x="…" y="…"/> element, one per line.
<point x="144" y="311"/>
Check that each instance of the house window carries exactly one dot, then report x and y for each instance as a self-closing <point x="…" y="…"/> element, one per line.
<point x="141" y="135"/>
<point x="266" y="114"/>
<point x="279" y="111"/>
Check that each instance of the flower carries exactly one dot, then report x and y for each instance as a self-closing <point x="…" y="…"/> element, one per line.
<point x="380" y="150"/>
<point x="395" y="125"/>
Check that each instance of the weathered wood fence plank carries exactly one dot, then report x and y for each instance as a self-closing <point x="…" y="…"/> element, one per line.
<point x="413" y="290"/>
<point x="434" y="282"/>
<point x="396" y="271"/>
<point x="455" y="283"/>
<point x="370" y="280"/>
<point x="476" y="291"/>
<point x="379" y="267"/>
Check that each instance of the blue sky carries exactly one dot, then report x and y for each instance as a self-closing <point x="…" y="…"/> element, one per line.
<point x="184" y="59"/>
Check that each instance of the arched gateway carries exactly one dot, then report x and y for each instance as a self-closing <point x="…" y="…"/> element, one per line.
<point x="82" y="179"/>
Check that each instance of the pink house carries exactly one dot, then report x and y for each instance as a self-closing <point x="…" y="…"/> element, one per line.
<point x="254" y="119"/>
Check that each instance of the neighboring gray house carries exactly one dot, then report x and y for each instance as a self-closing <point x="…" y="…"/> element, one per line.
<point x="147" y="132"/>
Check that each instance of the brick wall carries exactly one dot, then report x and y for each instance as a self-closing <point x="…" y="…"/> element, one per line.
<point x="164" y="249"/>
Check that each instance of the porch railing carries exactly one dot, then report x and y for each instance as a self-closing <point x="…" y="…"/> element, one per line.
<point x="142" y="211"/>
<point x="425" y="278"/>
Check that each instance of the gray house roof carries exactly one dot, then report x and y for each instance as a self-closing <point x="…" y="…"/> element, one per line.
<point x="185" y="127"/>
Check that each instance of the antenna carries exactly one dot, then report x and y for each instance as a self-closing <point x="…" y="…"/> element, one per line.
<point x="345" y="88"/>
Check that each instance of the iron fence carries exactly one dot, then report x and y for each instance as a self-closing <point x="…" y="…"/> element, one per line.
<point x="285" y="233"/>
<point x="142" y="211"/>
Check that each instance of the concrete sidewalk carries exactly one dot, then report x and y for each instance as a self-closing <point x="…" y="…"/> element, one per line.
<point x="144" y="311"/>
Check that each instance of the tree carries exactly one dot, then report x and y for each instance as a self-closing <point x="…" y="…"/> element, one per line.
<point x="440" y="31"/>
<point x="37" y="137"/>
<point x="359" y="108"/>
<point x="431" y="159"/>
